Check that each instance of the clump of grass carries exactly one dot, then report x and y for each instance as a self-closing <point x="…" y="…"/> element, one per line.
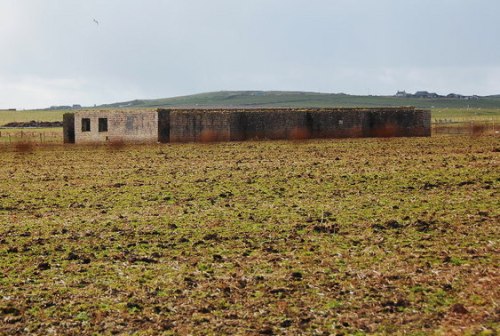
<point x="478" y="129"/>
<point x="24" y="147"/>
<point x="116" y="145"/>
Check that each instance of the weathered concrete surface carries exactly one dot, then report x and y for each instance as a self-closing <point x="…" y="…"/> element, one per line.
<point x="123" y="126"/>
<point x="199" y="126"/>
<point x="207" y="125"/>
<point x="251" y="124"/>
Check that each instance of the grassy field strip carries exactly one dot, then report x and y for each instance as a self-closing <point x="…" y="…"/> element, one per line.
<point x="25" y="116"/>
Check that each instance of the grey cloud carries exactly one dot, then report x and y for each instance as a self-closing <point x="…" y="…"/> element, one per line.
<point x="153" y="48"/>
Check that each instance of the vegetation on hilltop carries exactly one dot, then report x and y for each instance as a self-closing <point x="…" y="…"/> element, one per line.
<point x="305" y="99"/>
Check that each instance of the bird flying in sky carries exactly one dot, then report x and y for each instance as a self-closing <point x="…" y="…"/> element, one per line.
<point x="97" y="22"/>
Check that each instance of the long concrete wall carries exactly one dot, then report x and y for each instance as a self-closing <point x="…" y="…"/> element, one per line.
<point x="239" y="125"/>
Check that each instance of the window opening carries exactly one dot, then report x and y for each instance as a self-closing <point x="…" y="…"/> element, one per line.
<point x="103" y="124"/>
<point x="85" y="124"/>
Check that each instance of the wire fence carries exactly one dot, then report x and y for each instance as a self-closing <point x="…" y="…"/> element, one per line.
<point x="35" y="136"/>
<point x="470" y="127"/>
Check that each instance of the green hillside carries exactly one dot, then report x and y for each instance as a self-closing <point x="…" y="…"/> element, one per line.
<point x="304" y="99"/>
<point x="442" y="108"/>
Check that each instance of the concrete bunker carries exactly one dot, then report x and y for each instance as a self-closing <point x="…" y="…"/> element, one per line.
<point x="205" y="125"/>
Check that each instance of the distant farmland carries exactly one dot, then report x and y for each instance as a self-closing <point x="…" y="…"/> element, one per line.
<point x="26" y="116"/>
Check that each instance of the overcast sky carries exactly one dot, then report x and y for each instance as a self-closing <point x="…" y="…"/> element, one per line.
<point x="53" y="53"/>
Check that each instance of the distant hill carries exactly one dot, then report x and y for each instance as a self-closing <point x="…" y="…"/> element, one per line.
<point x="303" y="99"/>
